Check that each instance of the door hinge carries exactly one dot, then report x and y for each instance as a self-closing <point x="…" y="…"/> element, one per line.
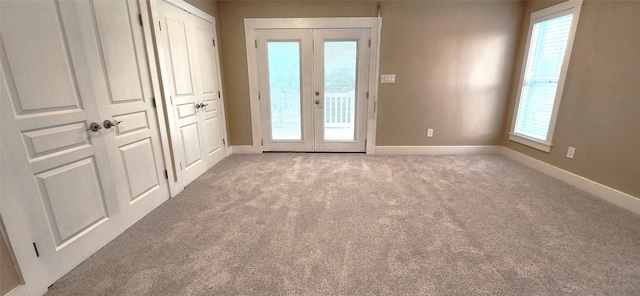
<point x="258" y="95"/>
<point x="160" y="25"/>
<point x="224" y="142"/>
<point x="218" y="94"/>
<point x="369" y="42"/>
<point x="166" y="174"/>
<point x="261" y="142"/>
<point x="170" y="100"/>
<point x="256" y="43"/>
<point x="367" y="95"/>
<point x="214" y="43"/>
<point x="365" y="142"/>
<point x="181" y="165"/>
<point x="140" y="19"/>
<point x="153" y="101"/>
<point x="36" y="249"/>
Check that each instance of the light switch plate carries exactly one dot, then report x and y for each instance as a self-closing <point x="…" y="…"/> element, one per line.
<point x="388" y="78"/>
<point x="570" y="152"/>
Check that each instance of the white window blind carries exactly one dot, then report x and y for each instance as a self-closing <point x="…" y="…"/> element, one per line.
<point x="542" y="74"/>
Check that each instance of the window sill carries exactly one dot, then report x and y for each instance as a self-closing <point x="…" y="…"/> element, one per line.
<point x="537" y="144"/>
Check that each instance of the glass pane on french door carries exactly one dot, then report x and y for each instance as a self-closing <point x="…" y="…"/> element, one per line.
<point x="340" y="62"/>
<point x="284" y="90"/>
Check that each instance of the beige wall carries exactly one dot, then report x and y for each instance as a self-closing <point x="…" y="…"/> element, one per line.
<point x="452" y="60"/>
<point x="9" y="278"/>
<point x="600" y="110"/>
<point x="208" y="6"/>
<point x="234" y="54"/>
<point x="453" y="63"/>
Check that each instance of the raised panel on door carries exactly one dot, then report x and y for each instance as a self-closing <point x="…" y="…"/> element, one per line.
<point x="62" y="170"/>
<point x="69" y="215"/>
<point x="182" y="86"/>
<point x="26" y="61"/>
<point x="134" y="143"/>
<point x="180" y="66"/>
<point x="191" y="138"/>
<point x="214" y="138"/>
<point x="284" y="64"/>
<point x="140" y="169"/>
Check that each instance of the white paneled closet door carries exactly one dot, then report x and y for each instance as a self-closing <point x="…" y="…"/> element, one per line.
<point x="124" y="81"/>
<point x="68" y="66"/>
<point x="191" y="84"/>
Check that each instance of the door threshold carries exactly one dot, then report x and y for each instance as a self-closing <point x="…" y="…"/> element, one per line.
<point x="314" y="152"/>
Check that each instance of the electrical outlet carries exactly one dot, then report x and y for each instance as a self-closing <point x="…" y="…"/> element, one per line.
<point x="570" y="152"/>
<point x="430" y="133"/>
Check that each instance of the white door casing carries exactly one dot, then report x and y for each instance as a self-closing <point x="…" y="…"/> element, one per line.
<point x="64" y="65"/>
<point x="190" y="72"/>
<point x="252" y="29"/>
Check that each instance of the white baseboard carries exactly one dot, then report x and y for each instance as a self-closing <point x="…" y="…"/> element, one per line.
<point x="244" y="149"/>
<point x="604" y="192"/>
<point x="18" y="291"/>
<point x="436" y="150"/>
<point x="609" y="194"/>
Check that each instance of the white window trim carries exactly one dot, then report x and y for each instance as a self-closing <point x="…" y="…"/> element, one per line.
<point x="253" y="24"/>
<point x="572" y="6"/>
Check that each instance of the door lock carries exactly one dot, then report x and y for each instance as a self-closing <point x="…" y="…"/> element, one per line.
<point x="317" y="102"/>
<point x="109" y="123"/>
<point x="94" y="127"/>
<point x="317" y="93"/>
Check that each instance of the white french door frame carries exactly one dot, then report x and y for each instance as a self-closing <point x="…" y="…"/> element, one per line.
<point x="251" y="25"/>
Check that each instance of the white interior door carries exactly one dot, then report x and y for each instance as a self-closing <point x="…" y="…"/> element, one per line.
<point x="191" y="82"/>
<point x="133" y="141"/>
<point x="66" y="64"/>
<point x="313" y="89"/>
<point x="206" y="67"/>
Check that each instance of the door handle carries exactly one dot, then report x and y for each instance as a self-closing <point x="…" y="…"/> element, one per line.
<point x="317" y="102"/>
<point x="94" y="127"/>
<point x="202" y="106"/>
<point x="109" y="123"/>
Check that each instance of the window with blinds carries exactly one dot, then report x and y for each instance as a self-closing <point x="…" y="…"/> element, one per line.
<point x="550" y="38"/>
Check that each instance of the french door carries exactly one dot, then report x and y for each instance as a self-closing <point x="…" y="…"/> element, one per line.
<point x="313" y="89"/>
<point x="80" y="134"/>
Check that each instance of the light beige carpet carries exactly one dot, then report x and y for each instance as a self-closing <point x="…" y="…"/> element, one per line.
<point x="354" y="224"/>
